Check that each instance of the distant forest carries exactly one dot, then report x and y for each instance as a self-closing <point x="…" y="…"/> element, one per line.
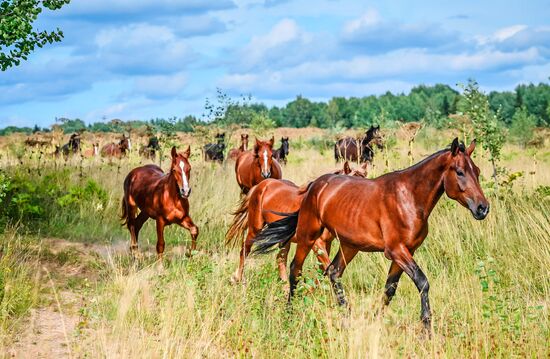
<point x="430" y="104"/>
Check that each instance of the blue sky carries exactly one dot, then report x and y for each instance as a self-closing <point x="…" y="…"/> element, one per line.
<point x="139" y="59"/>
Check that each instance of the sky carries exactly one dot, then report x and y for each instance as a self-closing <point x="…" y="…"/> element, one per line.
<point x="142" y="59"/>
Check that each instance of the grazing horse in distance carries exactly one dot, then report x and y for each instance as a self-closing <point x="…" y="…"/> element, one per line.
<point x="160" y="196"/>
<point x="70" y="148"/>
<point x="281" y="153"/>
<point x="92" y="152"/>
<point x="236" y="152"/>
<point x="261" y="205"/>
<point x="348" y="148"/>
<point x="117" y="150"/>
<point x="388" y="214"/>
<point x="252" y="167"/>
<point x="214" y="151"/>
<point x="150" y="150"/>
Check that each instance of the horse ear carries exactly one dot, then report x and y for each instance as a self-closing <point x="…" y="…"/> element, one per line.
<point x="347" y="169"/>
<point x="471" y="148"/>
<point x="455" y="146"/>
<point x="272" y="141"/>
<point x="174" y="152"/>
<point x="257" y="145"/>
<point x="187" y="152"/>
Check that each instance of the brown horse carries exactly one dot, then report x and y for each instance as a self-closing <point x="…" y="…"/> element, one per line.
<point x="117" y="150"/>
<point x="163" y="197"/>
<point x="388" y="214"/>
<point x="236" y="152"/>
<point x="252" y="167"/>
<point x="92" y="152"/>
<point x="261" y="205"/>
<point x="349" y="148"/>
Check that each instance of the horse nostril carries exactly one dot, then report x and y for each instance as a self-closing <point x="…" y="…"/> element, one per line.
<point x="481" y="209"/>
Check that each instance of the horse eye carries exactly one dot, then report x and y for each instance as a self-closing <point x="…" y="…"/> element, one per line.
<point x="460" y="173"/>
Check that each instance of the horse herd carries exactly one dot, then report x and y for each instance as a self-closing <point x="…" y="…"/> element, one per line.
<point x="387" y="214"/>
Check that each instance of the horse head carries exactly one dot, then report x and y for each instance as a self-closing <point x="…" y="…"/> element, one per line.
<point x="181" y="170"/>
<point x="373" y="136"/>
<point x="461" y="180"/>
<point x="347" y="170"/>
<point x="263" y="153"/>
<point x="244" y="141"/>
<point x="284" y="145"/>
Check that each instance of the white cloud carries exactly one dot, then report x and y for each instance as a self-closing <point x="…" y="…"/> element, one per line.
<point x="501" y="34"/>
<point x="160" y="86"/>
<point x="142" y="48"/>
<point x="368" y="19"/>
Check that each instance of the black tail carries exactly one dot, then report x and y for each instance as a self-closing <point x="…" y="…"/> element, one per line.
<point x="278" y="232"/>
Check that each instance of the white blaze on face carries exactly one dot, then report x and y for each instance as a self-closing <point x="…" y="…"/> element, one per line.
<point x="96" y="150"/>
<point x="184" y="177"/>
<point x="129" y="144"/>
<point x="265" y="161"/>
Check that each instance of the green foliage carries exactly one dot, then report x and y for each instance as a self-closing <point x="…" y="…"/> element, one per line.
<point x="18" y="38"/>
<point x="485" y="122"/>
<point x="261" y="122"/>
<point x="4" y="185"/>
<point x="523" y="125"/>
<point x="91" y="193"/>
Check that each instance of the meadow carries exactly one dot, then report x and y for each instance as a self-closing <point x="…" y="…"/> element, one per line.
<point x="69" y="286"/>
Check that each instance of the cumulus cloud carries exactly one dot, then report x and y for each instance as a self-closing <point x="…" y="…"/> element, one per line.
<point x="160" y="86"/>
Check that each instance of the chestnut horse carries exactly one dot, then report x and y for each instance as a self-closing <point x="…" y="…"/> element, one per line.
<point x="92" y="152"/>
<point x="117" y="150"/>
<point x="388" y="214"/>
<point x="261" y="205"/>
<point x="162" y="197"/>
<point x="252" y="167"/>
<point x="236" y="152"/>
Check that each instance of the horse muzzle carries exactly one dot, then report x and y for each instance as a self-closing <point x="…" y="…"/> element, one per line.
<point x="184" y="193"/>
<point x="266" y="174"/>
<point x="480" y="211"/>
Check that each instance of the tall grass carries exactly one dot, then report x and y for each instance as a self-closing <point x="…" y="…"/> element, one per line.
<point x="489" y="280"/>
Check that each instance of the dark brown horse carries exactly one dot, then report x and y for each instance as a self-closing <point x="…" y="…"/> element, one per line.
<point x="214" y="151"/>
<point x="281" y="153"/>
<point x="261" y="205"/>
<point x="252" y="167"/>
<point x="70" y="148"/>
<point x="162" y="197"/>
<point x="349" y="148"/>
<point x="388" y="214"/>
<point x="117" y="150"/>
<point x="150" y="150"/>
<point x="236" y="152"/>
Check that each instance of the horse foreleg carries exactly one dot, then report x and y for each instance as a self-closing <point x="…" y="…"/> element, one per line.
<point x="321" y="248"/>
<point x="403" y="257"/>
<point x="188" y="224"/>
<point x="336" y="269"/>
<point x="391" y="283"/>
<point x="281" y="261"/>
<point x="160" y="238"/>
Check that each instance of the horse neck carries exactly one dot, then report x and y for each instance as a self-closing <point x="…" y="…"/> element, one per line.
<point x="426" y="182"/>
<point x="170" y="185"/>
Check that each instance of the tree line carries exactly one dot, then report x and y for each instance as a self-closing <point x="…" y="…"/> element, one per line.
<point x="430" y="104"/>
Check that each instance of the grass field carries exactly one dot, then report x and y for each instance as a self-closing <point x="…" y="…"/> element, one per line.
<point x="69" y="286"/>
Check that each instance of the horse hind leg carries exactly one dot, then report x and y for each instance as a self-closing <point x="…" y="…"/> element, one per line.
<point x="245" y="251"/>
<point x="336" y="269"/>
<point x="137" y="224"/>
<point x="282" y="256"/>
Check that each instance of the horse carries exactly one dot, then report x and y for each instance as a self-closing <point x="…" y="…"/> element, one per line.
<point x="347" y="148"/>
<point x="117" y="150"/>
<point x="252" y="167"/>
<point x="261" y="205"/>
<point x="214" y="151"/>
<point x="92" y="152"/>
<point x="150" y="150"/>
<point x="162" y="197"/>
<point x="70" y="148"/>
<point x="388" y="214"/>
<point x="281" y="153"/>
<point x="236" y="152"/>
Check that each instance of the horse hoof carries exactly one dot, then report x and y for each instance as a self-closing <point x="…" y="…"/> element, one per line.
<point x="235" y="279"/>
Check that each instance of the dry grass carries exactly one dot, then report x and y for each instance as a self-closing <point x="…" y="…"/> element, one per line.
<point x="190" y="308"/>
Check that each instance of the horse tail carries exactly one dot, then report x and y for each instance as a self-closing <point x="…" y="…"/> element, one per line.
<point x="240" y="222"/>
<point x="279" y="232"/>
<point x="124" y="211"/>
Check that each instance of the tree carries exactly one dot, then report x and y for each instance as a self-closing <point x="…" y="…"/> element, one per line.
<point x="18" y="38"/>
<point x="485" y="122"/>
<point x="523" y="125"/>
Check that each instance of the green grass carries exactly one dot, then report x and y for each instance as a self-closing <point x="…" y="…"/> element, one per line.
<point x="489" y="280"/>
